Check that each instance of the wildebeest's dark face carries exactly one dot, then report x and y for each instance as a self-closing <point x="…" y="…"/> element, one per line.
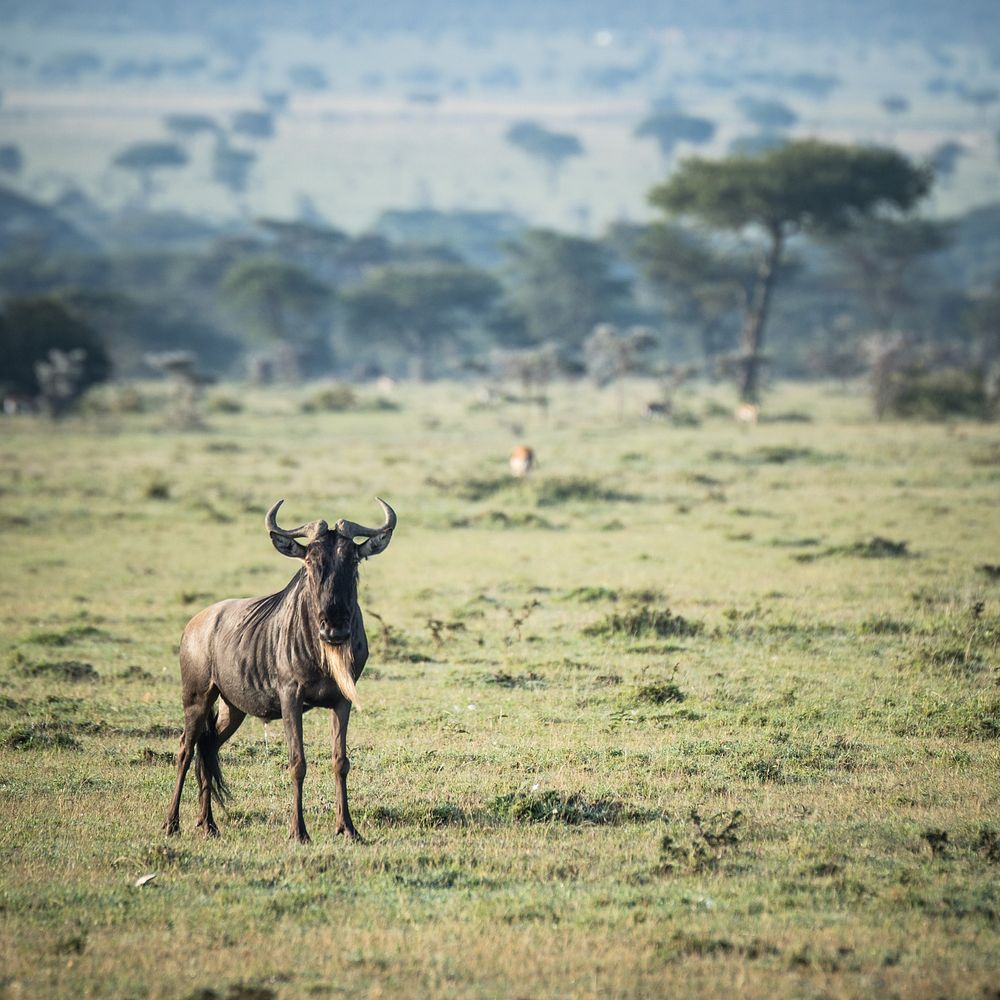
<point x="331" y="566"/>
<point x="331" y="560"/>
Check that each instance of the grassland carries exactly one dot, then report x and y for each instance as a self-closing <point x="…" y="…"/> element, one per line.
<point x="682" y="715"/>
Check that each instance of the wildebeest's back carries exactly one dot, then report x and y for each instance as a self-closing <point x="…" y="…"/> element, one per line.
<point x="218" y="648"/>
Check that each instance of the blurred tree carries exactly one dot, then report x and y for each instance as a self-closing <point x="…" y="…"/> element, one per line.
<point x="980" y="98"/>
<point x="702" y="284"/>
<point x="669" y="128"/>
<point x="418" y="307"/>
<point x="895" y="104"/>
<point x="185" y="126"/>
<point x="231" y="167"/>
<point x="11" y="159"/>
<point x="30" y="329"/>
<point x="881" y="259"/>
<point x="610" y="355"/>
<point x="144" y="159"/>
<point x="304" y="76"/>
<point x="61" y="378"/>
<point x="945" y="156"/>
<point x="533" y="367"/>
<point x="254" y="124"/>
<point x="984" y="319"/>
<point x="805" y="186"/>
<point x="285" y="306"/>
<point x="551" y="148"/>
<point x="315" y="248"/>
<point x="767" y="114"/>
<point x="563" y="286"/>
<point x="276" y="101"/>
<point x="751" y="145"/>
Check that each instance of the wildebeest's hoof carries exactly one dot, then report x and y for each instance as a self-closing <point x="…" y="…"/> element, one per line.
<point x="171" y="826"/>
<point x="208" y="827"/>
<point x="301" y="836"/>
<point x="350" y="834"/>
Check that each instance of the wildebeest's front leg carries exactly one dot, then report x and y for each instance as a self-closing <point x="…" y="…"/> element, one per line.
<point x="339" y="717"/>
<point x="291" y="717"/>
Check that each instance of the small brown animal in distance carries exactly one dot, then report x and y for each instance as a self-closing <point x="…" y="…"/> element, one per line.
<point x="522" y="458"/>
<point x="747" y="414"/>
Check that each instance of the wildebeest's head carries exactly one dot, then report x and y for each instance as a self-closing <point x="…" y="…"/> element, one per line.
<point x="331" y="558"/>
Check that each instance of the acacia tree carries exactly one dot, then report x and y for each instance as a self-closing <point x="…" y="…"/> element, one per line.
<point x="419" y="306"/>
<point x="145" y="159"/>
<point x="668" y="128"/>
<point x="562" y="286"/>
<point x="285" y="306"/>
<point x="804" y="187"/>
<point x="610" y="355"/>
<point x="552" y="148"/>
<point x="882" y="260"/>
<point x="702" y="284"/>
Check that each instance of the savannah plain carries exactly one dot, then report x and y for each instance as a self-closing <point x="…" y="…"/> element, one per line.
<point x="695" y="710"/>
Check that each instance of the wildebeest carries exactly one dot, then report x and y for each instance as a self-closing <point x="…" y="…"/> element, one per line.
<point x="276" y="657"/>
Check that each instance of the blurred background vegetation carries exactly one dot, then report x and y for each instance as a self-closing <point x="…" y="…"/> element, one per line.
<point x="288" y="192"/>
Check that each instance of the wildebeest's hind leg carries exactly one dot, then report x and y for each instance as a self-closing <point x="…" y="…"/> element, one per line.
<point x="229" y="720"/>
<point x="197" y="711"/>
<point x="339" y="717"/>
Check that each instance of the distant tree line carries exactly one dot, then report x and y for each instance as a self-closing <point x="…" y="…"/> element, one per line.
<point x="784" y="262"/>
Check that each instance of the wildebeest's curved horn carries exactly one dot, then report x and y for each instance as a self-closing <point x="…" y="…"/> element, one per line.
<point x="310" y="530"/>
<point x="351" y="530"/>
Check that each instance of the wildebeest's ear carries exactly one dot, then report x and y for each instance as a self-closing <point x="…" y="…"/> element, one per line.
<point x="288" y="546"/>
<point x="376" y="544"/>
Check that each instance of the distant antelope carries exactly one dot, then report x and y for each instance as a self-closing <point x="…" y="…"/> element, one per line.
<point x="522" y="458"/>
<point x="747" y="414"/>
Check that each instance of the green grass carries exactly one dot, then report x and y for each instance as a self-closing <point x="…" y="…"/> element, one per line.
<point x="669" y="759"/>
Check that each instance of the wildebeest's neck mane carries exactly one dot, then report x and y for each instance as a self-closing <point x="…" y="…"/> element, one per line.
<point x="264" y="609"/>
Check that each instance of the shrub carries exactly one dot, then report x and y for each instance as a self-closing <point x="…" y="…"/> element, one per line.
<point x="30" y="329"/>
<point x="926" y="394"/>
<point x="331" y="399"/>
<point x="643" y="622"/>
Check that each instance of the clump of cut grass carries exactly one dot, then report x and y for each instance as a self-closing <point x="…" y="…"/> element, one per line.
<point x="65" y="670"/>
<point x="773" y="455"/>
<point x="156" y="487"/>
<point x="550" y="806"/>
<point x="331" y="399"/>
<point x="700" y="844"/>
<point x="659" y="691"/>
<point x="884" y="625"/>
<point x="40" y="735"/>
<point x="588" y="595"/>
<point x="643" y="623"/>
<point x="472" y="488"/>
<point x="66" y="637"/>
<point x="225" y="404"/>
<point x="563" y="489"/>
<point x="876" y="547"/>
<point x="504" y="521"/>
<point x="503" y="679"/>
<point x="786" y="760"/>
<point x="963" y="644"/>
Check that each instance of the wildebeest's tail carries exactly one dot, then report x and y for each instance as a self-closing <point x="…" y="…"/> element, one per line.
<point x="208" y="761"/>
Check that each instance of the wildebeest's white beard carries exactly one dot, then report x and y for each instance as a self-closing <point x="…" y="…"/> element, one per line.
<point x="338" y="662"/>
